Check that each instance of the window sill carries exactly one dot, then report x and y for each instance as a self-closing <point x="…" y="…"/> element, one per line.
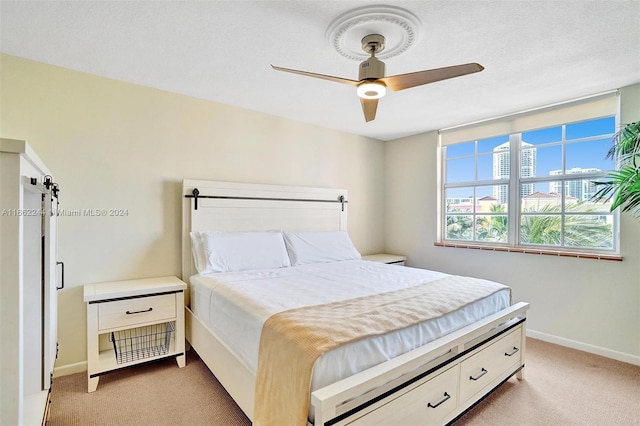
<point x="615" y="257"/>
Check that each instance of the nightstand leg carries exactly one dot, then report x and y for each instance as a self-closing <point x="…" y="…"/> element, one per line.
<point x="181" y="360"/>
<point x="92" y="383"/>
<point x="93" y="347"/>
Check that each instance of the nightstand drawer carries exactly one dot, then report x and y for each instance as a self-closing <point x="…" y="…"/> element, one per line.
<point x="131" y="312"/>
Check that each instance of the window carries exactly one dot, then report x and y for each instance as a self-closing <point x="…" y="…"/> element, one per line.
<point x="530" y="188"/>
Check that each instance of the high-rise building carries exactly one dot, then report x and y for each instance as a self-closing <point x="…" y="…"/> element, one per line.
<point x="582" y="189"/>
<point x="502" y="169"/>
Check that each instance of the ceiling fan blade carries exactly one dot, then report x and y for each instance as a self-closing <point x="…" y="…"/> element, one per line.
<point x="322" y="76"/>
<point x="369" y="107"/>
<point x="413" y="79"/>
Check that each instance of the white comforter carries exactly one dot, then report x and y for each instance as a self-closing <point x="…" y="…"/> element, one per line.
<point x="235" y="305"/>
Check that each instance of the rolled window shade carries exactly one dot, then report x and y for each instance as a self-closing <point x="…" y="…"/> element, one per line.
<point x="602" y="105"/>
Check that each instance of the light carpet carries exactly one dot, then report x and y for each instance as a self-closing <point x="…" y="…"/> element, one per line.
<point x="562" y="386"/>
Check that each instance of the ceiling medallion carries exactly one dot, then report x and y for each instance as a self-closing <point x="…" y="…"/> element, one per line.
<point x="399" y="27"/>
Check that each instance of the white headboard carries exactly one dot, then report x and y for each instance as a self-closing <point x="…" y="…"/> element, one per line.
<point x="234" y="207"/>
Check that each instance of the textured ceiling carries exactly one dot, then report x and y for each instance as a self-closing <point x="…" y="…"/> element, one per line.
<point x="535" y="53"/>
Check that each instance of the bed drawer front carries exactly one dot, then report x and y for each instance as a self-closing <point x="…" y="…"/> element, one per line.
<point x="130" y="312"/>
<point x="428" y="403"/>
<point x="481" y="369"/>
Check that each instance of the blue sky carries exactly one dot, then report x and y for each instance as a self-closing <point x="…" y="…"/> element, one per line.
<point x="579" y="153"/>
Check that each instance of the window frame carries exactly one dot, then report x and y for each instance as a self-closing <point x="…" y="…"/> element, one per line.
<point x="514" y="207"/>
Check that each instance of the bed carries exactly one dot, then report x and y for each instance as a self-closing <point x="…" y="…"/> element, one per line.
<point x="432" y="370"/>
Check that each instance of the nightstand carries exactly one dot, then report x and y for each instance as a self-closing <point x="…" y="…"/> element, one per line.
<point x="392" y="259"/>
<point x="131" y="322"/>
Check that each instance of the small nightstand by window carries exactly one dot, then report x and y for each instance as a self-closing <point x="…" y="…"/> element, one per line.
<point x="391" y="259"/>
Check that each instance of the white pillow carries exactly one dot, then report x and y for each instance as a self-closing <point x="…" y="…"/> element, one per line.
<point x="197" y="251"/>
<point x="241" y="251"/>
<point x="319" y="247"/>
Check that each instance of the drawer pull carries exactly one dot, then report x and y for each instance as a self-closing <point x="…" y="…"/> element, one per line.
<point x="512" y="352"/>
<point x="139" y="312"/>
<point x="482" y="373"/>
<point x="444" y="399"/>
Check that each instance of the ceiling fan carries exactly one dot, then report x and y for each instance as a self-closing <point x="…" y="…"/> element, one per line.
<point x="372" y="82"/>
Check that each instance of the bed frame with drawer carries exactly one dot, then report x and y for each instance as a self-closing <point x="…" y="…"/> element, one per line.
<point x="433" y="384"/>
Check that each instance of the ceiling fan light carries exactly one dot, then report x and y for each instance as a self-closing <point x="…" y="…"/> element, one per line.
<point x="372" y="90"/>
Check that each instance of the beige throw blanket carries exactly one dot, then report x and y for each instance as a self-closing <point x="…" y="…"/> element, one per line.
<point x="292" y="340"/>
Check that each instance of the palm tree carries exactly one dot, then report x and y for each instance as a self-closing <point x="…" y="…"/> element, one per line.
<point x="542" y="230"/>
<point x="579" y="230"/>
<point x="493" y="228"/>
<point x="623" y="185"/>
<point x="587" y="231"/>
<point x="459" y="228"/>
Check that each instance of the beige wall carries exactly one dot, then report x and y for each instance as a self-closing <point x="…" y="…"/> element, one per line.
<point x="117" y="145"/>
<point x="589" y="304"/>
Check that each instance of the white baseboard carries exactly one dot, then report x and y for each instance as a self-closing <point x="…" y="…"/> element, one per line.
<point x="65" y="370"/>
<point x="597" y="350"/>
